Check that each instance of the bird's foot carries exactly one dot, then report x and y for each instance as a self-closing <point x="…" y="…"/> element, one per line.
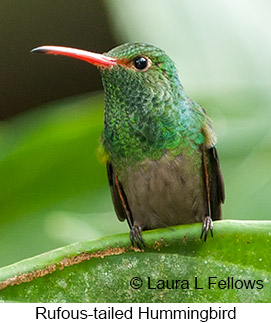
<point x="136" y="237"/>
<point x="207" y="225"/>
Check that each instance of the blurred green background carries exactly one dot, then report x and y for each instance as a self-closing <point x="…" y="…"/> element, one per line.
<point x="53" y="189"/>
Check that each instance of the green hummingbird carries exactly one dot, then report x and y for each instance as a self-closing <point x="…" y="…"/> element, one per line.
<point x="160" y="149"/>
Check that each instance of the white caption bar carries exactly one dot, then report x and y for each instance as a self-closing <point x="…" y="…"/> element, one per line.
<point x="74" y="312"/>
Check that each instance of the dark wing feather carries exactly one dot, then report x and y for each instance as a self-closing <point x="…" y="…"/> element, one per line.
<point x="217" y="191"/>
<point x="118" y="196"/>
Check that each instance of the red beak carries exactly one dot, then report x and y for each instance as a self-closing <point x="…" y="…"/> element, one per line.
<point x="92" y="58"/>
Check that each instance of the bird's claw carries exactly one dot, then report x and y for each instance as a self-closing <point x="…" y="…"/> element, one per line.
<point x="207" y="225"/>
<point x="136" y="237"/>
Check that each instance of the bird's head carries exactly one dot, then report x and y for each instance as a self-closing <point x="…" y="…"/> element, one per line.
<point x="129" y="71"/>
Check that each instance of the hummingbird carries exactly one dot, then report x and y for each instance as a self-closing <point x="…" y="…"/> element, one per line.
<point x="160" y="150"/>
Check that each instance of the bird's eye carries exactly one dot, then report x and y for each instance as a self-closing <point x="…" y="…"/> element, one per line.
<point x="141" y="63"/>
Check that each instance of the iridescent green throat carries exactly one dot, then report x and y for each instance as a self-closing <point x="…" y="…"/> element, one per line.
<point x="147" y="113"/>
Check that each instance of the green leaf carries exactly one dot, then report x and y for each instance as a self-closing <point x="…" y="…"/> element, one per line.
<point x="100" y="270"/>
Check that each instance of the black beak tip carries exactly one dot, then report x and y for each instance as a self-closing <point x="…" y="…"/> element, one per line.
<point x="38" y="50"/>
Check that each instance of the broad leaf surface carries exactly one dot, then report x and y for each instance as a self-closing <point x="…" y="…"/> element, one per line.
<point x="100" y="270"/>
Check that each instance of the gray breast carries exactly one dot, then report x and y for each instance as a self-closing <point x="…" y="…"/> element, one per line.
<point x="166" y="192"/>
